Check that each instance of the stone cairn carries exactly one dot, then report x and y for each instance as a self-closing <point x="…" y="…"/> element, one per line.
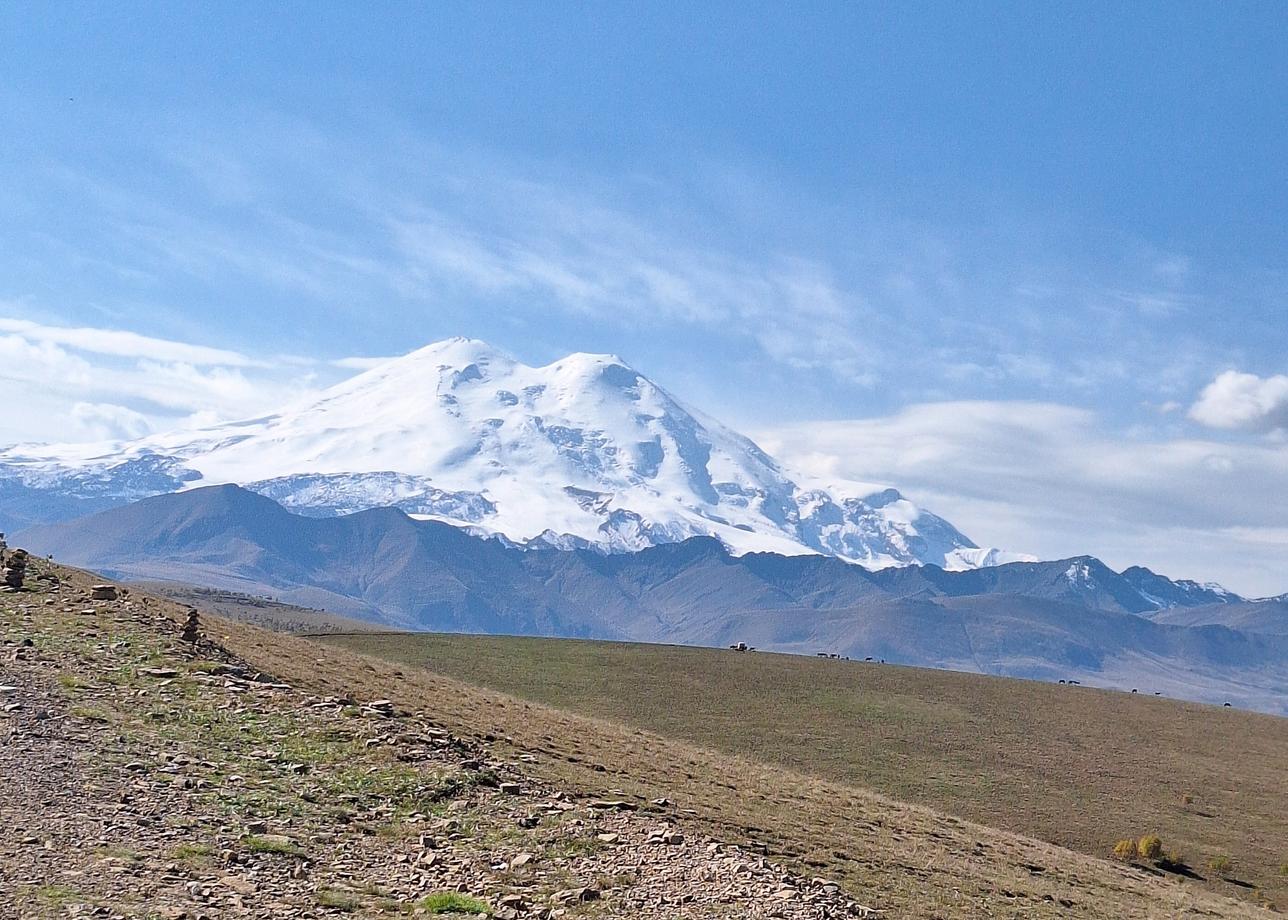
<point x="191" y="627"/>
<point x="15" y="570"/>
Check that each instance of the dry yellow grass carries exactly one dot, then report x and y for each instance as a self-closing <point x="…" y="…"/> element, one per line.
<point x="1073" y="766"/>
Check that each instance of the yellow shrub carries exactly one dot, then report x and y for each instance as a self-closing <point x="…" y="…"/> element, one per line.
<point x="1150" y="847"/>
<point x="1125" y="849"/>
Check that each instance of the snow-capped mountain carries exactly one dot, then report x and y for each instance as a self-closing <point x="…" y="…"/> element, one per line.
<point x="1165" y="593"/>
<point x="582" y="452"/>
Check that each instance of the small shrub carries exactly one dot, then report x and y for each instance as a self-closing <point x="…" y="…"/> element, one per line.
<point x="192" y="851"/>
<point x="121" y="853"/>
<point x="1125" y="850"/>
<point x="1283" y="870"/>
<point x="1149" y="847"/>
<point x="1220" y="864"/>
<point x="1187" y="799"/>
<point x="337" y="899"/>
<point x="449" y="902"/>
<point x="271" y="843"/>
<point x="89" y="714"/>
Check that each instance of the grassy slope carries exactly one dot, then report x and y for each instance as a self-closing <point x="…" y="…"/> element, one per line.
<point x="1072" y="766"/>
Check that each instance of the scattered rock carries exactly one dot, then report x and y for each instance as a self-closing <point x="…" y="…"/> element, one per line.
<point x="574" y="895"/>
<point x="612" y="805"/>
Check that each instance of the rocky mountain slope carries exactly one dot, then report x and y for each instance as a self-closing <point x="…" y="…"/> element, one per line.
<point x="582" y="452"/>
<point x="154" y="776"/>
<point x="1072" y="619"/>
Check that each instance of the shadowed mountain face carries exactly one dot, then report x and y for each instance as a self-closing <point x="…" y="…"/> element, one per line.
<point x="1071" y="619"/>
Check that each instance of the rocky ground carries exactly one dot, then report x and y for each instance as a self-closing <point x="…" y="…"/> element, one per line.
<point x="145" y="775"/>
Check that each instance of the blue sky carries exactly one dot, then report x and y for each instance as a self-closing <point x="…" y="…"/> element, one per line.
<point x="1027" y="262"/>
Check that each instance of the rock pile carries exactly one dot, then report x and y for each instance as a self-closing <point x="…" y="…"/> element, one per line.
<point x="103" y="592"/>
<point x="191" y="627"/>
<point x="14" y="572"/>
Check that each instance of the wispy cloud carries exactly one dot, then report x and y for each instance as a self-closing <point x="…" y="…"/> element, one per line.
<point x="108" y="422"/>
<point x="416" y="242"/>
<point x="908" y="311"/>
<point x="116" y="383"/>
<point x="123" y="344"/>
<point x="359" y="363"/>
<point x="590" y="261"/>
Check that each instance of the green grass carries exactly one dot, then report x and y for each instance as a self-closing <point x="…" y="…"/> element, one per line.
<point x="449" y="902"/>
<point x="90" y="714"/>
<point x="121" y="853"/>
<point x="56" y="895"/>
<point x="1220" y="864"/>
<point x="192" y="852"/>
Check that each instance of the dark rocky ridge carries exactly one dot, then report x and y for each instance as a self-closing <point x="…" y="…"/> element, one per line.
<point x="1069" y="619"/>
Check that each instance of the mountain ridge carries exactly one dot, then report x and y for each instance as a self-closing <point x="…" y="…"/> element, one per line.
<point x="1066" y="619"/>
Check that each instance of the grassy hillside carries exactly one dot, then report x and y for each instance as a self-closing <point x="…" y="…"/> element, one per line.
<point x="189" y="783"/>
<point x="1070" y="765"/>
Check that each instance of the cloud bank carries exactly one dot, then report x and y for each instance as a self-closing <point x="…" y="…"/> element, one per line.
<point x="1053" y="480"/>
<point x="82" y="383"/>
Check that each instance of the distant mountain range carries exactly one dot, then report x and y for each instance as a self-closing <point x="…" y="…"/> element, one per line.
<point x="1072" y="619"/>
<point x="585" y="452"/>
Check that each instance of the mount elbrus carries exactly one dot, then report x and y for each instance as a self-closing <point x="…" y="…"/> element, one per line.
<point x="584" y="452"/>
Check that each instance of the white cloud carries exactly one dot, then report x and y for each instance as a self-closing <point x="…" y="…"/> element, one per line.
<point x="1049" y="479"/>
<point x="122" y="344"/>
<point x="1236" y="400"/>
<point x="358" y="363"/>
<point x="108" y="422"/>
